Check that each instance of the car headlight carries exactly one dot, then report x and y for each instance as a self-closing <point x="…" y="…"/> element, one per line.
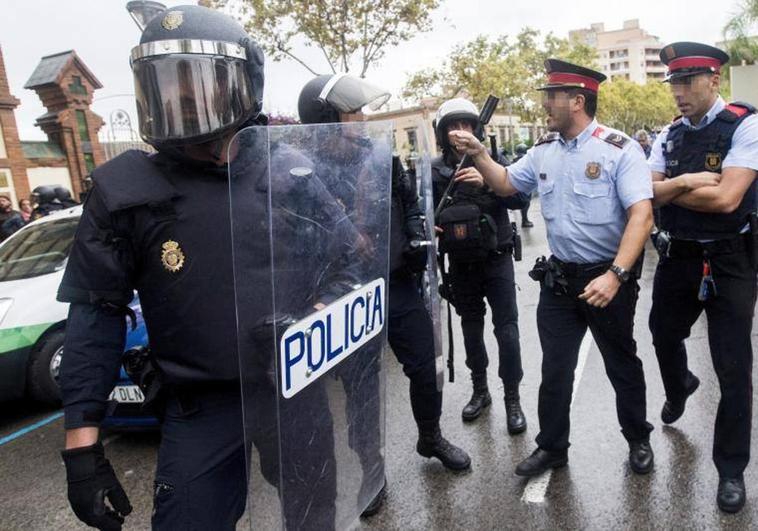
<point x="5" y="305"/>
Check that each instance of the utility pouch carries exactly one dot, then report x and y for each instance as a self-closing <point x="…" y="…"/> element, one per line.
<point x="468" y="235"/>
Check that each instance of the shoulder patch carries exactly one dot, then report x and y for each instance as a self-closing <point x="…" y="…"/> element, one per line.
<point x="547" y="138"/>
<point x="741" y="108"/>
<point x="616" y="139"/>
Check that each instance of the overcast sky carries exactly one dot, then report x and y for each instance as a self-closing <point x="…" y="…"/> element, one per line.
<point x="102" y="33"/>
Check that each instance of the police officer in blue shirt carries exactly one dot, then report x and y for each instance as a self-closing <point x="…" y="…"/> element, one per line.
<point x="595" y="191"/>
<point x="704" y="166"/>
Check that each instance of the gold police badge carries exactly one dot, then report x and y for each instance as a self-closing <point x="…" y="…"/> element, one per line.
<point x="172" y="20"/>
<point x="593" y="170"/>
<point x="172" y="256"/>
<point x="712" y="161"/>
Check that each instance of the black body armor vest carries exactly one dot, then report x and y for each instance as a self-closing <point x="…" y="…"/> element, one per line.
<point x="694" y="150"/>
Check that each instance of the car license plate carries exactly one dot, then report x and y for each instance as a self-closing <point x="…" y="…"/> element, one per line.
<point x="129" y="394"/>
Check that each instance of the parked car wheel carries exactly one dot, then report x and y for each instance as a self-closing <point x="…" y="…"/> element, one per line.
<point x="44" y="363"/>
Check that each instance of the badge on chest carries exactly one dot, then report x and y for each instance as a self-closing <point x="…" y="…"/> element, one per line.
<point x="593" y="170"/>
<point x="712" y="161"/>
<point x="172" y="256"/>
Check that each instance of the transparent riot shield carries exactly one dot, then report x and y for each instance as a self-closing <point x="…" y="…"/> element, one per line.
<point x="430" y="279"/>
<point x="310" y="228"/>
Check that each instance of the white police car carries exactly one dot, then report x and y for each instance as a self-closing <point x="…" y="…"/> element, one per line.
<point x="33" y="322"/>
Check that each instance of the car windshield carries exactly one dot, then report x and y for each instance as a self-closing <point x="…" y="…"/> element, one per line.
<point x="37" y="250"/>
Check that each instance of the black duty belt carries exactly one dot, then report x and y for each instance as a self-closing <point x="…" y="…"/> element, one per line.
<point x="575" y="270"/>
<point x="696" y="249"/>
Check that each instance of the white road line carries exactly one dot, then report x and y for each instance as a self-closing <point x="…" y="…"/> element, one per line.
<point x="536" y="487"/>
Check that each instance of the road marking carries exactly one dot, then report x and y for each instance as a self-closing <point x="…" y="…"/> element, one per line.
<point x="536" y="487"/>
<point x="23" y="431"/>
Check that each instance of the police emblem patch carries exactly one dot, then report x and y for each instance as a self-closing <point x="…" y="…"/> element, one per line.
<point x="712" y="161"/>
<point x="172" y="256"/>
<point x="593" y="170"/>
<point x="460" y="231"/>
<point x="172" y="20"/>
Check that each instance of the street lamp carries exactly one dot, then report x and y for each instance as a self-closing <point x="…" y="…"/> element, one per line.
<point x="143" y="11"/>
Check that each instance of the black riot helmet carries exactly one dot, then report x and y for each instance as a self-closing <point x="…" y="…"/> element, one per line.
<point x="43" y="195"/>
<point x="450" y="111"/>
<point x="197" y="75"/>
<point x="62" y="194"/>
<point x="323" y="98"/>
<point x="521" y="150"/>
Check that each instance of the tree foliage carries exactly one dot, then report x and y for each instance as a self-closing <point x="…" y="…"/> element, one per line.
<point x="347" y="32"/>
<point x="742" y="46"/>
<point x="627" y="106"/>
<point x="508" y="68"/>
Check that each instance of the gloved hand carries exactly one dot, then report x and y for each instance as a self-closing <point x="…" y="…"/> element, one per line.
<point x="90" y="481"/>
<point x="415" y="251"/>
<point x="265" y="335"/>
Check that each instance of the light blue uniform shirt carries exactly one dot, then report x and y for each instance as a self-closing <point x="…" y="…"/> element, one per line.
<point x="742" y="154"/>
<point x="585" y="187"/>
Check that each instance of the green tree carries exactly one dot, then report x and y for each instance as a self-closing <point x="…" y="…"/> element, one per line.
<point x="627" y="106"/>
<point x="742" y="46"/>
<point x="508" y="68"/>
<point x="347" y="32"/>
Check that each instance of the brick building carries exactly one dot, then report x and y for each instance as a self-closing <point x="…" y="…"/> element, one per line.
<point x="13" y="177"/>
<point x="66" y="86"/>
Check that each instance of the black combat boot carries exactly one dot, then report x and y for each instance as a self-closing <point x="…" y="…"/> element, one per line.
<point x="479" y="400"/>
<point x="431" y="443"/>
<point x="513" y="412"/>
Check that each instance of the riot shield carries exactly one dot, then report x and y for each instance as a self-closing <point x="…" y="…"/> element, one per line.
<point x="430" y="279"/>
<point x="310" y="228"/>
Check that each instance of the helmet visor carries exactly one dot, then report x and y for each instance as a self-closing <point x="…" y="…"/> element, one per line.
<point x="190" y="98"/>
<point x="350" y="94"/>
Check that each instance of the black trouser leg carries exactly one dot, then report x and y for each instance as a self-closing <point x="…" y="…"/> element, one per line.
<point x="295" y="442"/>
<point x="468" y="286"/>
<point x="411" y="337"/>
<point x="500" y="288"/>
<point x="730" y="323"/>
<point x="561" y="327"/>
<point x="200" y="479"/>
<point x="613" y="331"/>
<point x="675" y="309"/>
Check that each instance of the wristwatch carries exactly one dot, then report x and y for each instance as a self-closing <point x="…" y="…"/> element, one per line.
<point x="620" y="272"/>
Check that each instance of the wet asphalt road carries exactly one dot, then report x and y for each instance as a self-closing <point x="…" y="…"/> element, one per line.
<point x="596" y="491"/>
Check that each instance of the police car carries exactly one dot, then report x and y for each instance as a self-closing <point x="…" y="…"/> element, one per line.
<point x="33" y="322"/>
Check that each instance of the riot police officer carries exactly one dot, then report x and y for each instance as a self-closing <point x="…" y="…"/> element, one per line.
<point x="341" y="98"/>
<point x="704" y="166"/>
<point x="145" y="226"/>
<point x="479" y="269"/>
<point x="47" y="201"/>
<point x="63" y="195"/>
<point x="595" y="192"/>
<point x="521" y="150"/>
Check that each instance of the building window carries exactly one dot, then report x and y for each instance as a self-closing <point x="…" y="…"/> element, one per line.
<point x="412" y="139"/>
<point x="81" y="122"/>
<point x="89" y="161"/>
<point x="3" y="154"/>
<point x="76" y="86"/>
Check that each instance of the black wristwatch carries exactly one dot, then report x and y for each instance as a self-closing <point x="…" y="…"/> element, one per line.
<point x="620" y="272"/>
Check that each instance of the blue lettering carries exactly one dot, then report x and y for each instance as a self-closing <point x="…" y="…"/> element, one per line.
<point x="289" y="361"/>
<point x="330" y="354"/>
<point x="353" y="336"/>
<point x="347" y="325"/>
<point x="378" y="303"/>
<point x="317" y="325"/>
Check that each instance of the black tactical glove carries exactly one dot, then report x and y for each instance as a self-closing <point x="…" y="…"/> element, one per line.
<point x="90" y="480"/>
<point x="265" y="335"/>
<point x="415" y="251"/>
